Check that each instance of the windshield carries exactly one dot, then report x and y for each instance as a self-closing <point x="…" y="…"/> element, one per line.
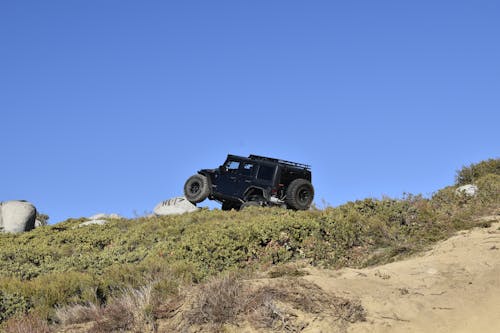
<point x="231" y="165"/>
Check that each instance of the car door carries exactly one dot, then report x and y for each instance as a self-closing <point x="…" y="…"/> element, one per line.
<point x="266" y="176"/>
<point x="245" y="178"/>
<point x="226" y="183"/>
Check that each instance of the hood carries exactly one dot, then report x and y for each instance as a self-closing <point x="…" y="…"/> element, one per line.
<point x="207" y="171"/>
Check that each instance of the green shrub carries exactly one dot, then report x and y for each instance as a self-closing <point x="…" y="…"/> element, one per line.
<point x="12" y="304"/>
<point x="470" y="174"/>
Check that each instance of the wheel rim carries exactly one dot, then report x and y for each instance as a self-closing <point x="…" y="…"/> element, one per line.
<point x="304" y="195"/>
<point x="194" y="188"/>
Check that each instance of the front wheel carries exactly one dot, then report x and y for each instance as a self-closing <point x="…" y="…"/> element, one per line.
<point x="300" y="194"/>
<point x="197" y="188"/>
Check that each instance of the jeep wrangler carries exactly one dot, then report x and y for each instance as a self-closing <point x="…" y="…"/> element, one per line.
<point x="253" y="181"/>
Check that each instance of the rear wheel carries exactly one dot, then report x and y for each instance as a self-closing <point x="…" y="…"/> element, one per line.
<point x="197" y="188"/>
<point x="300" y="194"/>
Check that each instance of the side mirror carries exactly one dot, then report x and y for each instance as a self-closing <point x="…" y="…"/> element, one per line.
<point x="222" y="169"/>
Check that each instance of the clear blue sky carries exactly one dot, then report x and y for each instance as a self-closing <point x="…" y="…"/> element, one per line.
<point x="109" y="106"/>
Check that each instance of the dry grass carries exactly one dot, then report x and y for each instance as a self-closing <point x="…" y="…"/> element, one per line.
<point x="77" y="314"/>
<point x="274" y="306"/>
<point x="264" y="310"/>
<point x="131" y="311"/>
<point x="29" y="323"/>
<point x="217" y="302"/>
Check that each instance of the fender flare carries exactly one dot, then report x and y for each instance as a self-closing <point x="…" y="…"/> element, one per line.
<point x="255" y="190"/>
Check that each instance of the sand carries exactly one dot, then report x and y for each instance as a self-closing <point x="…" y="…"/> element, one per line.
<point x="454" y="287"/>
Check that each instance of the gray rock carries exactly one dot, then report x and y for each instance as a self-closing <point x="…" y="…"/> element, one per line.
<point x="38" y="223"/>
<point x="99" y="219"/>
<point x="17" y="216"/>
<point x="92" y="222"/>
<point x="175" y="206"/>
<point x="468" y="190"/>
<point x="101" y="216"/>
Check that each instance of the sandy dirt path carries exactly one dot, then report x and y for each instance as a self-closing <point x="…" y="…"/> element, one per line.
<point x="454" y="287"/>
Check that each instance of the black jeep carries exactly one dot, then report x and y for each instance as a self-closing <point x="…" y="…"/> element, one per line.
<point x="253" y="181"/>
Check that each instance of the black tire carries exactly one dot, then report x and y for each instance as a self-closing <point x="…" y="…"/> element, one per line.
<point x="249" y="204"/>
<point x="197" y="188"/>
<point x="299" y="194"/>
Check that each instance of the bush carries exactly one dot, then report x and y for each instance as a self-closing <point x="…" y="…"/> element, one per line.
<point x="78" y="314"/>
<point x="470" y="174"/>
<point x="43" y="218"/>
<point x="12" y="304"/>
<point x="130" y="311"/>
<point x="217" y="302"/>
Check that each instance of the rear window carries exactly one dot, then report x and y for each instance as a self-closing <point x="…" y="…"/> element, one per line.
<point x="265" y="172"/>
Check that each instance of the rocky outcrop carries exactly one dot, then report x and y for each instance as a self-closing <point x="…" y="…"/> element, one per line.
<point x="17" y="216"/>
<point x="175" y="206"/>
<point x="101" y="216"/>
<point x="468" y="190"/>
<point x="91" y="222"/>
<point x="99" y="219"/>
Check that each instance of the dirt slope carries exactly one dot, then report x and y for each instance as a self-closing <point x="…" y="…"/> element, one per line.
<point x="454" y="287"/>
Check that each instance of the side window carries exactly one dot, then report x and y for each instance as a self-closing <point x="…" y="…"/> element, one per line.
<point x="232" y="166"/>
<point x="247" y="168"/>
<point x="266" y="172"/>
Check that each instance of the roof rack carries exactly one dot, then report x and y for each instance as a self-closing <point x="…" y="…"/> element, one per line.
<point x="275" y="160"/>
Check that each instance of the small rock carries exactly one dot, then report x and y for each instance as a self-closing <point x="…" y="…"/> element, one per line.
<point x="175" y="206"/>
<point x="91" y="222"/>
<point x="101" y="216"/>
<point x="468" y="190"/>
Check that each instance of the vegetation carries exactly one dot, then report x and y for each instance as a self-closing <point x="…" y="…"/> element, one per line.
<point x="470" y="174"/>
<point x="42" y="218"/>
<point x="66" y="274"/>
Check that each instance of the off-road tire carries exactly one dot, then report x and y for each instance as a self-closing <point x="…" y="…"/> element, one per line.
<point x="247" y="204"/>
<point x="197" y="188"/>
<point x="299" y="194"/>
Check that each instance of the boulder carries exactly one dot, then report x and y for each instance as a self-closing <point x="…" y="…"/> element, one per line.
<point x="17" y="216"/>
<point x="175" y="206"/>
<point x="468" y="190"/>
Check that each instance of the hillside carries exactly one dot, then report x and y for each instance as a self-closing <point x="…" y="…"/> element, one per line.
<point x="453" y="287"/>
<point x="259" y="269"/>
